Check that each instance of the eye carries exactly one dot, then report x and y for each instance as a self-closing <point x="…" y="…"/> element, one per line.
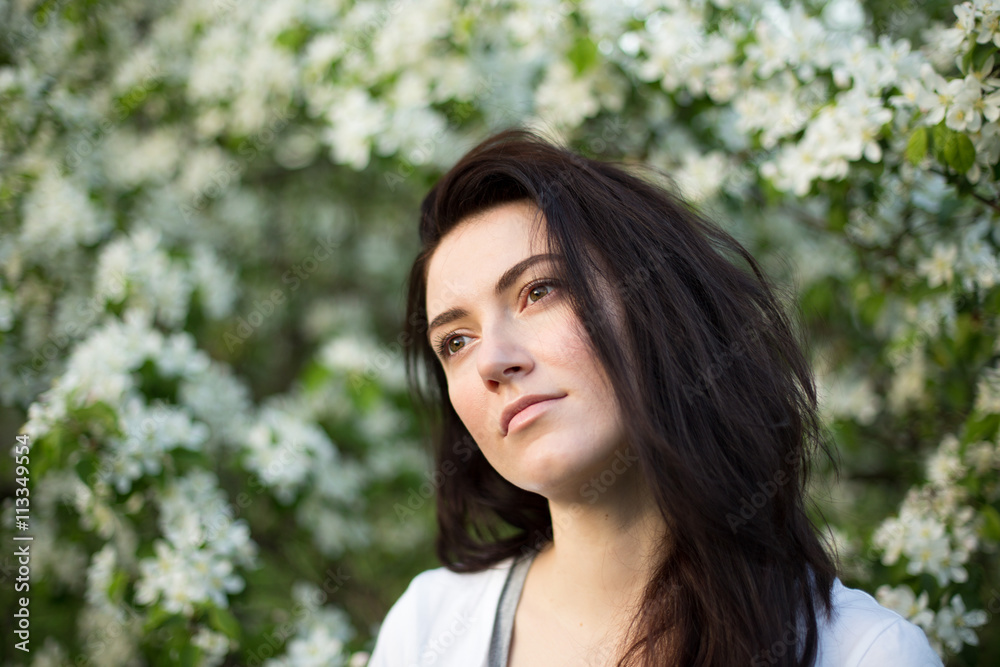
<point x="449" y="344"/>
<point x="540" y="291"/>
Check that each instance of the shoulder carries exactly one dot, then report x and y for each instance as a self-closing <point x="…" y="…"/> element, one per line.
<point x="440" y="589"/>
<point x="443" y="618"/>
<point x="863" y="633"/>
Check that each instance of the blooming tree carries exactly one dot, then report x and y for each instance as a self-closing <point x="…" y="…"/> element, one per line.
<point x="203" y="208"/>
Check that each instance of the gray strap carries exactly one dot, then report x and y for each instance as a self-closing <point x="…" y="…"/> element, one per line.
<point x="503" y="626"/>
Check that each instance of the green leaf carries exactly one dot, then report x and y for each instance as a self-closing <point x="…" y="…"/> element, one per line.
<point x="364" y="391"/>
<point x="966" y="63"/>
<point x="981" y="53"/>
<point x="52" y="451"/>
<point x="156" y="618"/>
<point x="99" y="417"/>
<point x="224" y="621"/>
<point x="185" y="459"/>
<point x="959" y="153"/>
<point x="939" y="137"/>
<point x="314" y="377"/>
<point x="119" y="581"/>
<point x="981" y="427"/>
<point x="991" y="523"/>
<point x="190" y="655"/>
<point x="837" y="218"/>
<point x="583" y="54"/>
<point x="86" y="468"/>
<point x="293" y="38"/>
<point x="916" y="147"/>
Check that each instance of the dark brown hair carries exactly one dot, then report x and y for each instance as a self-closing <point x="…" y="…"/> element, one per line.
<point x="717" y="397"/>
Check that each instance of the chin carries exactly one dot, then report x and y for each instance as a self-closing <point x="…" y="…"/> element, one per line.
<point x="555" y="473"/>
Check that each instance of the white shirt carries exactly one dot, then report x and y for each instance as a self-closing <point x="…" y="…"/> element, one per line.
<point x="445" y="619"/>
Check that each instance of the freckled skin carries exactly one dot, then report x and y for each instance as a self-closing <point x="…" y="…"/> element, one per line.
<point x="527" y="341"/>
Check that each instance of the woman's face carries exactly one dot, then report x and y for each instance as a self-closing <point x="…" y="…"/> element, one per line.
<point x="505" y="333"/>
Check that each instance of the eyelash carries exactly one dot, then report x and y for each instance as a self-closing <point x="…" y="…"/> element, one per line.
<point x="442" y="340"/>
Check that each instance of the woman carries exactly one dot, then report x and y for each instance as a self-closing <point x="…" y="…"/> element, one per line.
<point x="624" y="418"/>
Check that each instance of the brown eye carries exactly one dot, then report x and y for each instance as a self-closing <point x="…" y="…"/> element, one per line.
<point x="450" y="344"/>
<point x="539" y="291"/>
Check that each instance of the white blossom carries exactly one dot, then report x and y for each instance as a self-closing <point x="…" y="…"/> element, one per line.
<point x="214" y="644"/>
<point x="215" y="283"/>
<point x="99" y="575"/>
<point x="196" y="562"/>
<point x="284" y="451"/>
<point x="148" y="433"/>
<point x="51" y="654"/>
<point x="902" y="600"/>
<point x="57" y="216"/>
<point x="344" y="354"/>
<point x="177" y="580"/>
<point x="954" y="626"/>
<point x="963" y="114"/>
<point x="945" y="466"/>
<point x="939" y="268"/>
<point x="316" y="649"/>
<point x="220" y="400"/>
<point x="847" y="394"/>
<point x="133" y="197"/>
<point x="321" y="632"/>
<point x="355" y="118"/>
<point x="110" y="635"/>
<point x="988" y="391"/>
<point x="563" y="98"/>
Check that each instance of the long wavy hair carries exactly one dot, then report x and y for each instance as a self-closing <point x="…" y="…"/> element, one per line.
<point x="717" y="399"/>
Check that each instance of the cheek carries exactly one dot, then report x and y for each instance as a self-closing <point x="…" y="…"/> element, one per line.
<point x="578" y="354"/>
<point x="471" y="408"/>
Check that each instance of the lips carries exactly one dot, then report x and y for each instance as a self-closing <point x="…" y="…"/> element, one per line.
<point x="520" y="404"/>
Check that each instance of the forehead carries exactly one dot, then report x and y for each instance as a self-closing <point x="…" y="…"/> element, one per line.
<point x="475" y="252"/>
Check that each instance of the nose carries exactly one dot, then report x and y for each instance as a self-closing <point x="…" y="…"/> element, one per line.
<point x="501" y="357"/>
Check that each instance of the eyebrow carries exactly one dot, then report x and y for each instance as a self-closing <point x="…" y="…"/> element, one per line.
<point x="505" y="282"/>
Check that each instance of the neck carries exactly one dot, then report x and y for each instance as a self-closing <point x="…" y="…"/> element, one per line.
<point x="605" y="547"/>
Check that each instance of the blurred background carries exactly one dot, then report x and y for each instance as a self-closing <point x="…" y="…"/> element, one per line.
<point x="208" y="209"/>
